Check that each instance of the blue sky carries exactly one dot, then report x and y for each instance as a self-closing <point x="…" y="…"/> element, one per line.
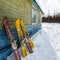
<point x="49" y="6"/>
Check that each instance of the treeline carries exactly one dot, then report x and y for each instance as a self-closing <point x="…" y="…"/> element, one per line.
<point x="55" y="18"/>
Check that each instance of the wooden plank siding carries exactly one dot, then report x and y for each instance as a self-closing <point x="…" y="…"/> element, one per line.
<point x="14" y="9"/>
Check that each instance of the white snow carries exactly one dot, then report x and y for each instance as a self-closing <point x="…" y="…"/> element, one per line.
<point x="53" y="30"/>
<point x="46" y="42"/>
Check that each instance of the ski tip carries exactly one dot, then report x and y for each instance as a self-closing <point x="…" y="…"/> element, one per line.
<point x="5" y="20"/>
<point x="24" y="51"/>
<point x="17" y="21"/>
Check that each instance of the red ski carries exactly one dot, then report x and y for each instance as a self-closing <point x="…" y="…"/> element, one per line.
<point x="11" y="38"/>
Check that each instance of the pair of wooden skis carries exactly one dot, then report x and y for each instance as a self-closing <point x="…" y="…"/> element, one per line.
<point x="25" y="41"/>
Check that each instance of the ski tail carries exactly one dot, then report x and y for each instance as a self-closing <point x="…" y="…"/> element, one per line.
<point x="24" y="53"/>
<point x="28" y="46"/>
<point x="17" y="55"/>
<point x="11" y="38"/>
<point x="31" y="43"/>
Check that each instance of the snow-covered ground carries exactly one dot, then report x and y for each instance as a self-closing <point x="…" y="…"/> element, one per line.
<point x="53" y="31"/>
<point x="47" y="44"/>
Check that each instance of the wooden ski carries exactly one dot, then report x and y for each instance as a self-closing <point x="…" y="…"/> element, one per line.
<point x="11" y="38"/>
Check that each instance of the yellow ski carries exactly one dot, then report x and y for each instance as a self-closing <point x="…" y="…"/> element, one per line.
<point x="20" y="35"/>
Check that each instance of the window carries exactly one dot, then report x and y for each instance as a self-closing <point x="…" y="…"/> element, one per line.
<point x="33" y="15"/>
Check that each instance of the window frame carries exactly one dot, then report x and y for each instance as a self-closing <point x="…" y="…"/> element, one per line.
<point x="33" y="16"/>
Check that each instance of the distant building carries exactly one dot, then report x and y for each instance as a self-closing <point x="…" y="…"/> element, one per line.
<point x="28" y="10"/>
